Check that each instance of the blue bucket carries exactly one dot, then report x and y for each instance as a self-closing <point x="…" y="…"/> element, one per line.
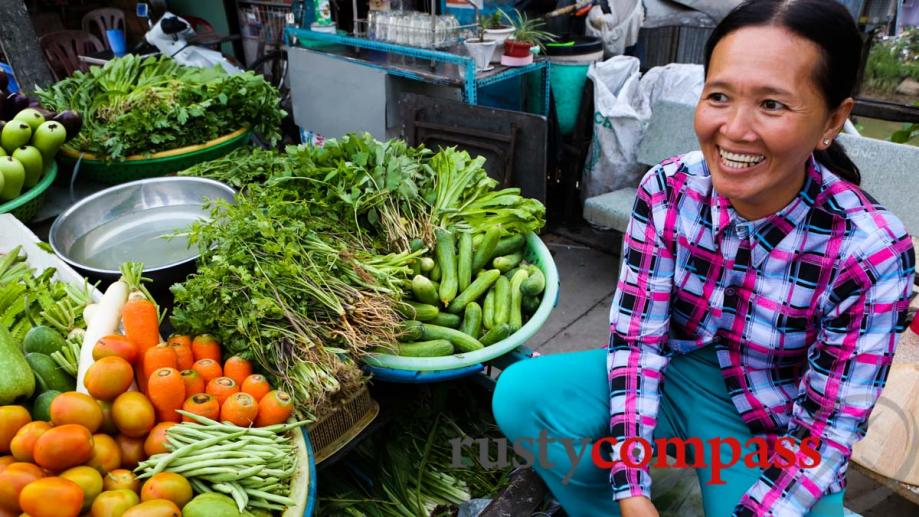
<point x="12" y="86"/>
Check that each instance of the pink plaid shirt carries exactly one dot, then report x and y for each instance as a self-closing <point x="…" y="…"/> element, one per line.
<point x="803" y="307"/>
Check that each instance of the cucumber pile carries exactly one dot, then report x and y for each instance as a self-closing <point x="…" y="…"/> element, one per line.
<point x="474" y="292"/>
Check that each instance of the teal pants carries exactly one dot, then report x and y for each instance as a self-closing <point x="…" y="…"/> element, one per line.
<point x="566" y="395"/>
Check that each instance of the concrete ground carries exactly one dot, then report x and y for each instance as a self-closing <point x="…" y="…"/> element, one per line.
<point x="588" y="266"/>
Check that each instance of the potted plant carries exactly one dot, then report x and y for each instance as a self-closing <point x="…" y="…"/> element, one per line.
<point x="495" y="27"/>
<point x="526" y="34"/>
<point x="481" y="49"/>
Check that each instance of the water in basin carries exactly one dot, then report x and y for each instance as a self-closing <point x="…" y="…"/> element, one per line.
<point x="141" y="237"/>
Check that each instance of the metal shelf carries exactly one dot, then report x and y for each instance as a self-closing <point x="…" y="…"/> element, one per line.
<point x="429" y="65"/>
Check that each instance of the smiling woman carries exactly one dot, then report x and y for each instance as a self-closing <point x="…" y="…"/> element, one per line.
<point x="758" y="123"/>
<point x="759" y="295"/>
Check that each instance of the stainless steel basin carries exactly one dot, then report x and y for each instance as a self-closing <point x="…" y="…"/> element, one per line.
<point x="129" y="222"/>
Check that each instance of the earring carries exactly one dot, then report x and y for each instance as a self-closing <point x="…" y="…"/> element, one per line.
<point x="826" y="141"/>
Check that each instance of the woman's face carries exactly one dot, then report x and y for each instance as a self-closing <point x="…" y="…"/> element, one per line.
<point x="761" y="116"/>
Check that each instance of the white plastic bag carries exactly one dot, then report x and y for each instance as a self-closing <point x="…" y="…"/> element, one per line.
<point x="622" y="108"/>
<point x="618" y="29"/>
<point x="618" y="119"/>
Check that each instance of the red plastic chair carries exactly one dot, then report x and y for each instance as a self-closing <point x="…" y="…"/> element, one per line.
<point x="97" y="21"/>
<point x="62" y="50"/>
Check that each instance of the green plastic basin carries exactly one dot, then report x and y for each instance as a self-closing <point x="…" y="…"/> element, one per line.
<point x="537" y="253"/>
<point x="26" y="206"/>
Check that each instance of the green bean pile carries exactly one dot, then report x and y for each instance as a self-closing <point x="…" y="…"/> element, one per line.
<point x="252" y="465"/>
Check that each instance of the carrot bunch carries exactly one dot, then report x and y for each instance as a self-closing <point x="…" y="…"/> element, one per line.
<point x="221" y="389"/>
<point x="140" y="318"/>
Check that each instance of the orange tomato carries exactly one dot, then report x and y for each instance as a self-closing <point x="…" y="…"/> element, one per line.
<point x="115" y="345"/>
<point x="133" y="414"/>
<point x="76" y="408"/>
<point x="108" y="423"/>
<point x="156" y="440"/>
<point x="208" y="369"/>
<point x="221" y="388"/>
<point x="237" y="369"/>
<point x="240" y="409"/>
<point x="6" y="461"/>
<point x="203" y="404"/>
<point x="108" y="377"/>
<point x="167" y="485"/>
<point x="11" y="419"/>
<point x="24" y="442"/>
<point x="64" y="446"/>
<point x="106" y="454"/>
<point x="12" y="480"/>
<point x="114" y="503"/>
<point x="121" y="479"/>
<point x="255" y="385"/>
<point x="206" y="346"/>
<point x="89" y="480"/>
<point x="52" y="497"/>
<point x="154" y="508"/>
<point x="274" y="408"/>
<point x="194" y="383"/>
<point x="132" y="450"/>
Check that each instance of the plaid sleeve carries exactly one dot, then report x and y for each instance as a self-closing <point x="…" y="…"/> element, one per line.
<point x="639" y="323"/>
<point x="847" y="370"/>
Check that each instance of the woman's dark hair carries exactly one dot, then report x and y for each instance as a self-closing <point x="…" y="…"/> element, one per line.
<point x="826" y="23"/>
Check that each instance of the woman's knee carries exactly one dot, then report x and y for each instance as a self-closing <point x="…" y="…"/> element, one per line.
<point x="515" y="401"/>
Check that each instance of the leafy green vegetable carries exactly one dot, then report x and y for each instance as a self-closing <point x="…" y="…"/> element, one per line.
<point x="136" y="105"/>
<point x="411" y="461"/>
<point x="466" y="196"/>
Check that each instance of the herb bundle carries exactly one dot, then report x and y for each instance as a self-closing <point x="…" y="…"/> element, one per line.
<point x="136" y="105"/>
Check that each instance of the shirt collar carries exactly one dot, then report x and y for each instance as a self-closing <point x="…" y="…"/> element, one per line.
<point x="767" y="232"/>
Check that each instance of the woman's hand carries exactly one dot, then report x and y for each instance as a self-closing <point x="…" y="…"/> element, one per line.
<point x="639" y="506"/>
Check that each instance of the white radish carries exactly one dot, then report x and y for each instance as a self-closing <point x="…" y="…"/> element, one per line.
<point x="104" y="321"/>
<point x="88" y="312"/>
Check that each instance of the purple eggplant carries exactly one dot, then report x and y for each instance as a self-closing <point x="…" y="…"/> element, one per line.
<point x="15" y="102"/>
<point x="4" y="80"/>
<point x="33" y="103"/>
<point x="48" y="114"/>
<point x="71" y="121"/>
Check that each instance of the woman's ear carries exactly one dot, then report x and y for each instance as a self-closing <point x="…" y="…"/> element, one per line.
<point x="835" y="122"/>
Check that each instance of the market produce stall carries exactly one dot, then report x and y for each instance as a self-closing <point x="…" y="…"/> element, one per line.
<point x="198" y="343"/>
<point x="329" y="263"/>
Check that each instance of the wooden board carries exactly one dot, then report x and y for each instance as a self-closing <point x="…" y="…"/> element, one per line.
<point x="891" y="447"/>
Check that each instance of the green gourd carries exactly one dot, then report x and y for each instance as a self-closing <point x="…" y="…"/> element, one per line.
<point x="17" y="382"/>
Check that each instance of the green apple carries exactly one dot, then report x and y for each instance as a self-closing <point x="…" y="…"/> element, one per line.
<point x="48" y="138"/>
<point x="31" y="161"/>
<point x="13" y="177"/>
<point x="30" y="116"/>
<point x="2" y="152"/>
<point x="15" y="135"/>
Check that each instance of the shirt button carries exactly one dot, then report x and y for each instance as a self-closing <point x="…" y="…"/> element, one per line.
<point x="730" y="291"/>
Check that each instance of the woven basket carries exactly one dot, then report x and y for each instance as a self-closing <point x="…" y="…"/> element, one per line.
<point x="139" y="166"/>
<point x="26" y="206"/>
<point x="333" y="431"/>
